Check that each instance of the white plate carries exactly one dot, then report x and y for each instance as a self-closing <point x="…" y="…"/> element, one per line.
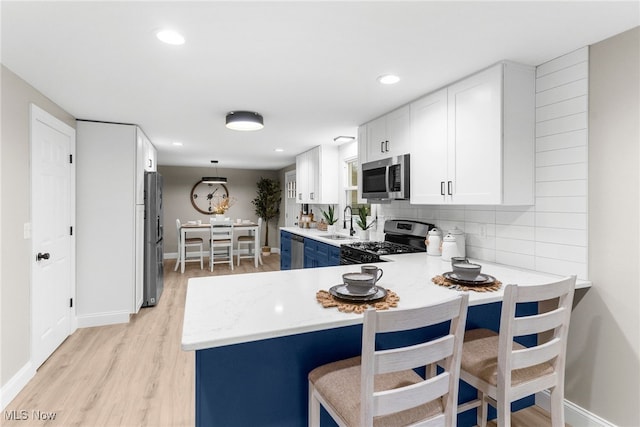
<point x="378" y="295"/>
<point x="344" y="290"/>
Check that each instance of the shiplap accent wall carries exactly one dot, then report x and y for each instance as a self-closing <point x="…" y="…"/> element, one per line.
<point x="550" y="236"/>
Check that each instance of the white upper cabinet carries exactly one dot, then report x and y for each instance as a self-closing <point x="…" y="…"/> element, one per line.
<point x="317" y="175"/>
<point x="473" y="142"/>
<point x="388" y="135"/>
<point x="429" y="148"/>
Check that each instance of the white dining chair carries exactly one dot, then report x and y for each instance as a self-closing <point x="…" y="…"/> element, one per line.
<point x="221" y="238"/>
<point x="252" y="244"/>
<point x="503" y="370"/>
<point x="189" y="242"/>
<point x="380" y="387"/>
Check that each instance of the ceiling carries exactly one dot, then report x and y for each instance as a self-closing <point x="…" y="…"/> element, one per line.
<point x="309" y="68"/>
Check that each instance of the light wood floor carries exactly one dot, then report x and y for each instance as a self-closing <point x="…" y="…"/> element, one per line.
<point x="135" y="374"/>
<point x="132" y="374"/>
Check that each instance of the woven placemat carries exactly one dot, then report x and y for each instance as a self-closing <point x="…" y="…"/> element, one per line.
<point x="328" y="301"/>
<point x="441" y="281"/>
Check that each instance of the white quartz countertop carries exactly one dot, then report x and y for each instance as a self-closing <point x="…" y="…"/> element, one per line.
<point x="224" y="310"/>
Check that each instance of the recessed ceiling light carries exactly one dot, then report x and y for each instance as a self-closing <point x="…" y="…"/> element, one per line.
<point x="341" y="139"/>
<point x="388" y="79"/>
<point x="279" y="150"/>
<point x="170" y="37"/>
<point x="177" y="143"/>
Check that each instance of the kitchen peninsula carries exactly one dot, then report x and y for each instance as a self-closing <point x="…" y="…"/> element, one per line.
<point x="256" y="336"/>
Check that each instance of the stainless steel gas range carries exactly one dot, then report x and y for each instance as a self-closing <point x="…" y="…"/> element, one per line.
<point x="400" y="237"/>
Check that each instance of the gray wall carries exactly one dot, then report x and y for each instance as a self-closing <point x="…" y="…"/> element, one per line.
<point x="178" y="182"/>
<point x="603" y="369"/>
<point x="15" y="270"/>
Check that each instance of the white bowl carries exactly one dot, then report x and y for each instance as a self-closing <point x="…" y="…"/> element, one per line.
<point x="359" y="283"/>
<point x="466" y="270"/>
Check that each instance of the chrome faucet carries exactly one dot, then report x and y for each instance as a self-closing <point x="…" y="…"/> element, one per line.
<point x="344" y="222"/>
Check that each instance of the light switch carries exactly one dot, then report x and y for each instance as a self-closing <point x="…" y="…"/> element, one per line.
<point x="27" y="230"/>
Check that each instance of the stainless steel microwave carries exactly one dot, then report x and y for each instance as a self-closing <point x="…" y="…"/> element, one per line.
<point x="386" y="179"/>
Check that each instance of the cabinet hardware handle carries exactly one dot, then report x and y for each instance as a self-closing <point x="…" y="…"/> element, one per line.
<point x="299" y="196"/>
<point x="442" y="188"/>
<point x="382" y="146"/>
<point x="449" y="184"/>
<point x="42" y="256"/>
<point x="311" y="196"/>
<point x="386" y="146"/>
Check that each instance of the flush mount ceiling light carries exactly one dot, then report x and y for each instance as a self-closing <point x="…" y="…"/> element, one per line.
<point x="388" y="79"/>
<point x="170" y="37"/>
<point x="341" y="139"/>
<point x="244" y="120"/>
<point x="214" y="179"/>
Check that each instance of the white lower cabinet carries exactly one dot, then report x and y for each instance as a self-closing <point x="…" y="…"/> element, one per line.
<point x="473" y="142"/>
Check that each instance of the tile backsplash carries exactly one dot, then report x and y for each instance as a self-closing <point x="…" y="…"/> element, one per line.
<point x="550" y="236"/>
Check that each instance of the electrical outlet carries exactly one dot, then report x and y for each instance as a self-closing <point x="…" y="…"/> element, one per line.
<point x="483" y="231"/>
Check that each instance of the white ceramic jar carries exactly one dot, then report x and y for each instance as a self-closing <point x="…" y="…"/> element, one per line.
<point x="449" y="248"/>
<point x="433" y="241"/>
<point x="460" y="240"/>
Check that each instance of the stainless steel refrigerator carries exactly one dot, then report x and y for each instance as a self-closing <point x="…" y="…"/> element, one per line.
<point x="153" y="251"/>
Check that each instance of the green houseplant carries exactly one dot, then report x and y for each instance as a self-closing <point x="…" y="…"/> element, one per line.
<point x="361" y="221"/>
<point x="267" y="205"/>
<point x="330" y="218"/>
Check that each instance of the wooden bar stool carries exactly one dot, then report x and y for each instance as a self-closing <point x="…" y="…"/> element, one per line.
<point x="221" y="237"/>
<point x="504" y="371"/>
<point x="189" y="242"/>
<point x="381" y="388"/>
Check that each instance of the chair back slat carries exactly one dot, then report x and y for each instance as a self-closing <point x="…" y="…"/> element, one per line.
<point x="536" y="355"/>
<point x="545" y="292"/>
<point x="538" y="323"/>
<point x="399" y="359"/>
<point x="403" y="320"/>
<point x="390" y="401"/>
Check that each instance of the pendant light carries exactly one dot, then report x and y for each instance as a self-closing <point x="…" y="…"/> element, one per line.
<point x="214" y="179"/>
<point x="244" y="120"/>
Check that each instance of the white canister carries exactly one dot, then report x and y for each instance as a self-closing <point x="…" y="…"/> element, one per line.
<point x="433" y="241"/>
<point x="449" y="247"/>
<point x="460" y="240"/>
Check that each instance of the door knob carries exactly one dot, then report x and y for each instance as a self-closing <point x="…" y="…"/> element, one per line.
<point x="42" y="256"/>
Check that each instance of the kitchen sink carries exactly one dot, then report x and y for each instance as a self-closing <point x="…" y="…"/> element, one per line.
<point x="338" y="237"/>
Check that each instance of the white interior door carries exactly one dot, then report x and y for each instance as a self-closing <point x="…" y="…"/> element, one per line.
<point x="52" y="216"/>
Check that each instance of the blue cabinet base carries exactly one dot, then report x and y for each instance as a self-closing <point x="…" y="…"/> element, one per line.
<point x="264" y="383"/>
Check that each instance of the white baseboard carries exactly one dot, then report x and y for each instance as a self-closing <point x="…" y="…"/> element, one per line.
<point x="573" y="414"/>
<point x="103" y="319"/>
<point x="10" y="390"/>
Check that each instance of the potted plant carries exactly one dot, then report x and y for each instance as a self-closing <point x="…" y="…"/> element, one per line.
<point x="331" y="219"/>
<point x="267" y="206"/>
<point x="361" y="221"/>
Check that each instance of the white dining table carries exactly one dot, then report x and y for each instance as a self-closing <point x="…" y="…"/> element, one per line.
<point x="199" y="228"/>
